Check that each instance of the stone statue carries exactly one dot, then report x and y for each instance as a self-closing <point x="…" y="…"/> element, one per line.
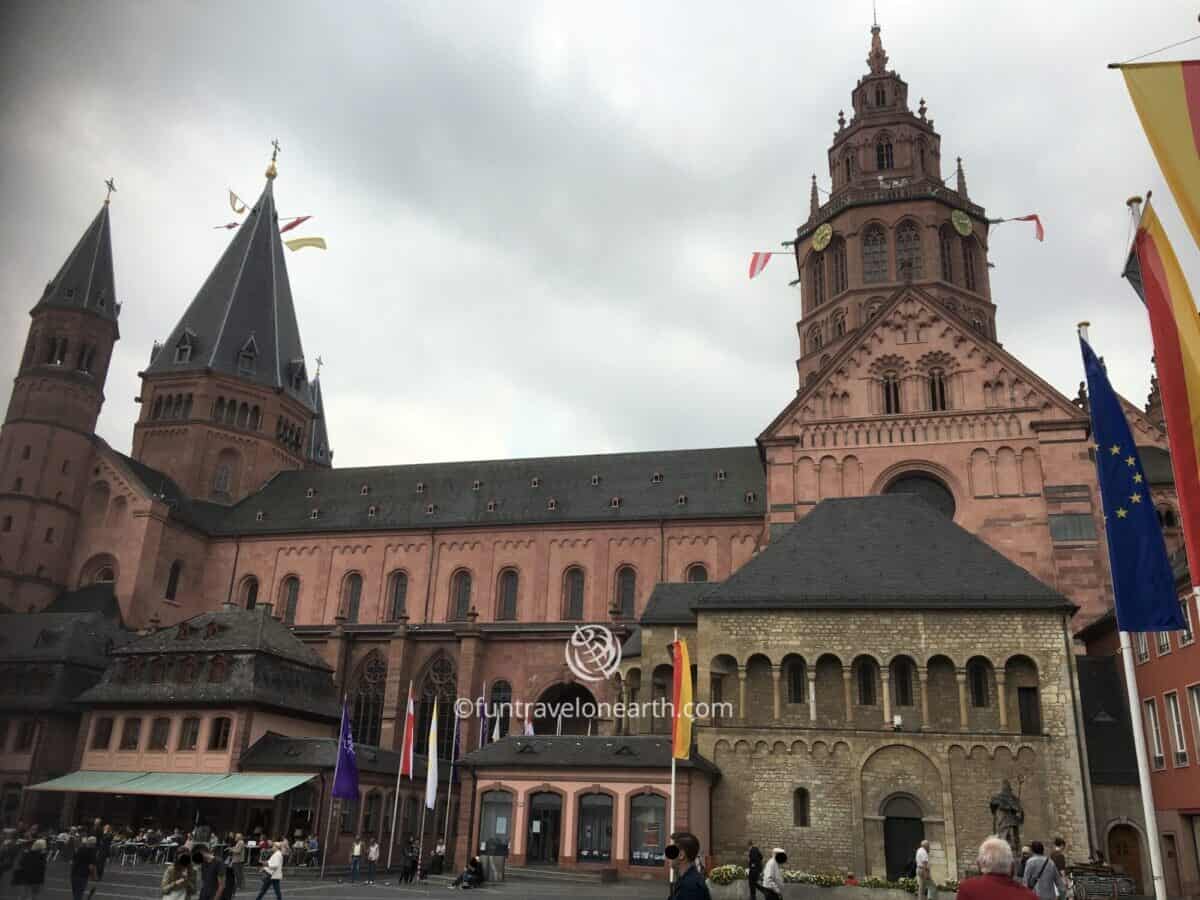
<point x="1008" y="815"/>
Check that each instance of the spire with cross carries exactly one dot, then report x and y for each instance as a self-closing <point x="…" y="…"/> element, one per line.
<point x="272" y="171"/>
<point x="112" y="189"/>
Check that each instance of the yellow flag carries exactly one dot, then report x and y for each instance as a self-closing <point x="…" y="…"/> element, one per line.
<point x="681" y="698"/>
<point x="299" y="243"/>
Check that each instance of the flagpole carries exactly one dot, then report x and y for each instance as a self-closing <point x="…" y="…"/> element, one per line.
<point x="1139" y="745"/>
<point x="399" y="769"/>
<point x="671" y="830"/>
<point x="450" y="785"/>
<point x="336" y="765"/>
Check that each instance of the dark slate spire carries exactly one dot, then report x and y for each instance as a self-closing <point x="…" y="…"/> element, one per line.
<point x="319" y="451"/>
<point x="242" y="322"/>
<point x="85" y="280"/>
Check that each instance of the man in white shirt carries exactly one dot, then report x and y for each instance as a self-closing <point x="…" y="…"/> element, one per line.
<point x="926" y="886"/>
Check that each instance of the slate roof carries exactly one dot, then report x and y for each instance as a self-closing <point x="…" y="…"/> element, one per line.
<point x="1106" y="726"/>
<point x="633" y="644"/>
<point x="450" y="487"/>
<point x="92" y="598"/>
<point x="86" y="280"/>
<point x="579" y="752"/>
<point x="319" y="451"/>
<point x="245" y="302"/>
<point x="672" y="603"/>
<point x="1156" y="463"/>
<point x="198" y="514"/>
<point x="890" y="551"/>
<point x="278" y="752"/>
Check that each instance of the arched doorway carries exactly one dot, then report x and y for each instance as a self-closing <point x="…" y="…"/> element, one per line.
<point x="1125" y="852"/>
<point x="595" y="817"/>
<point x="564" y="709"/>
<point x="903" y="832"/>
<point x="928" y="487"/>
<point x="545" y="823"/>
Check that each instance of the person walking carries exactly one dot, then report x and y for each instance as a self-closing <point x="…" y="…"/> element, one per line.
<point x="83" y="867"/>
<point x="372" y="860"/>
<point x="356" y="850"/>
<point x="754" y="867"/>
<point x="272" y="874"/>
<point x="237" y="860"/>
<point x="104" y="842"/>
<point x="926" y="886"/>
<point x="212" y="873"/>
<point x="1042" y="875"/>
<point x="31" y="869"/>
<point x="772" y="877"/>
<point x="690" y="884"/>
<point x="996" y="881"/>
<point x="179" y="879"/>
<point x="1059" y="856"/>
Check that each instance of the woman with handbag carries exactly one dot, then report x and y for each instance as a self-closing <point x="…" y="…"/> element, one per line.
<point x="272" y="873"/>
<point x="179" y="880"/>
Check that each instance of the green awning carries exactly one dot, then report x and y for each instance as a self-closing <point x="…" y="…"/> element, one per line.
<point x="241" y="785"/>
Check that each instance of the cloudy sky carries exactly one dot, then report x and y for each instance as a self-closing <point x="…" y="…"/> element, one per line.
<point x="539" y="215"/>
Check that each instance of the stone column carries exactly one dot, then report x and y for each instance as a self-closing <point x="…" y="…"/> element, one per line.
<point x="923" y="686"/>
<point x="776" y="676"/>
<point x="811" y="671"/>
<point x="1002" y="697"/>
<point x="885" y="676"/>
<point x="960" y="675"/>
<point x="848" y="692"/>
<point x="742" y="693"/>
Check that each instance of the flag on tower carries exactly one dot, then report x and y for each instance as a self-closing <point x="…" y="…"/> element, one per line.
<point x="431" y="767"/>
<point x="345" y="774"/>
<point x="758" y="262"/>
<point x="1143" y="585"/>
<point x="1154" y="273"/>
<point x="681" y="699"/>
<point x="299" y="220"/>
<point x="1166" y="96"/>
<point x="409" y="739"/>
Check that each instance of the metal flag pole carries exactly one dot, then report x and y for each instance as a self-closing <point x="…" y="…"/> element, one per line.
<point x="421" y="843"/>
<point x="336" y="765"/>
<point x="399" y="769"/>
<point x="450" y="785"/>
<point x="1139" y="746"/>
<point x="671" y="829"/>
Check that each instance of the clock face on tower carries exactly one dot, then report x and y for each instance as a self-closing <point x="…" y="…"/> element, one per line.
<point x="822" y="236"/>
<point x="961" y="222"/>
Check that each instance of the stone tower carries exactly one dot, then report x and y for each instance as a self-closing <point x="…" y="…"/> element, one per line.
<point x="890" y="220"/>
<point x="47" y="441"/>
<point x="226" y="400"/>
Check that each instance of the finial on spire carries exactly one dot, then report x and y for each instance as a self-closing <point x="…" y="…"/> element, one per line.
<point x="814" y="202"/>
<point x="877" y="59"/>
<point x="320" y="362"/>
<point x="112" y="189"/>
<point x="272" y="171"/>
<point x="922" y="109"/>
<point x="962" y="180"/>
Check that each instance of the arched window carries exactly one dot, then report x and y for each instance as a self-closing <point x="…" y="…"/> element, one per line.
<point x="225" y="474"/>
<point x="875" y="254"/>
<point x="573" y="593"/>
<point x="816" y="278"/>
<point x="884" y="158"/>
<point x="243" y="416"/>
<point x="937" y="389"/>
<point x="891" y="393"/>
<point x="173" y="580"/>
<point x="946" y="251"/>
<point x="800" y="808"/>
<point x="626" y="590"/>
<point x="250" y="592"/>
<point x="500" y="700"/>
<point x="397" y="595"/>
<point x="880" y="95"/>
<point x="837" y="249"/>
<point x="815" y="341"/>
<point x="158" y="405"/>
<point x="908" y="250"/>
<point x="351" y="596"/>
<point x="647" y="825"/>
<point x="797" y="681"/>
<point x="218" y="410"/>
<point x="921" y="156"/>
<point x="367" y="693"/>
<point x="291" y="599"/>
<point x="697" y="572"/>
<point x="509" y="583"/>
<point x="460" y="594"/>
<point x="902" y="681"/>
<point x="968" y="254"/>
<point x="594" y="841"/>
<point x="977" y="681"/>
<point x="849" y="168"/>
<point x="839" y="325"/>
<point x="440" y="684"/>
<point x="867" y="674"/>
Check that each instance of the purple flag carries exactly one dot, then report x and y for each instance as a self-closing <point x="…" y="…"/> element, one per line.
<point x="345" y="772"/>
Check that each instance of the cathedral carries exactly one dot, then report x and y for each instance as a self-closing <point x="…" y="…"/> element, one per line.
<point x="882" y="587"/>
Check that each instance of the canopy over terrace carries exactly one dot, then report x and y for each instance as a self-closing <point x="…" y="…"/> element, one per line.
<point x="237" y="786"/>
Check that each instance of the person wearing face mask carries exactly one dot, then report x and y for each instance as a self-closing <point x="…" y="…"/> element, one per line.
<point x="772" y="876"/>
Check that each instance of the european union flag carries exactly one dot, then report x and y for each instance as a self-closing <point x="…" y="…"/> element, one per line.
<point x="1143" y="586"/>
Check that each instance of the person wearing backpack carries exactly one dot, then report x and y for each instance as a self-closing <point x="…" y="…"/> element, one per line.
<point x="1042" y="875"/>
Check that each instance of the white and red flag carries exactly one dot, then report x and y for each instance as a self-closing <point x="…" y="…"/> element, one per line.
<point x="299" y="220"/>
<point x="758" y="262"/>
<point x="1039" y="232"/>
<point x="410" y="738"/>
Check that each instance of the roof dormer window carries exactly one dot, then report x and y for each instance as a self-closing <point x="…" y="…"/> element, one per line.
<point x="595" y="481"/>
<point x="364" y="490"/>
<point x="259" y="516"/>
<point x="681" y="500"/>
<point x="656" y="478"/>
<point x="615" y="503"/>
<point x="476" y="484"/>
<point x="751" y="497"/>
<point x="248" y="357"/>
<point x="535" y="481"/>
<point x="371" y="511"/>
<point x="310" y="493"/>
<point x="430" y="509"/>
<point x="420" y="487"/>
<point x="720" y="474"/>
<point x="552" y="504"/>
<point x="491" y="506"/>
<point x="69" y="293"/>
<point x="183" y="349"/>
<point x="315" y="514"/>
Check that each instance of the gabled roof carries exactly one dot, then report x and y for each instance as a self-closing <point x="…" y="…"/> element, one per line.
<point x="198" y="514"/>
<point x="86" y="280"/>
<point x="672" y="603"/>
<point x="579" y="752"/>
<point x="889" y="552"/>
<point x="247" y="297"/>
<point x="914" y="292"/>
<point x="278" y="752"/>
<point x="401" y="495"/>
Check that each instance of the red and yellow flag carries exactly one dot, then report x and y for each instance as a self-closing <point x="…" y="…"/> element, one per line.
<point x="1153" y="271"/>
<point x="681" y="700"/>
<point x="1166" y="96"/>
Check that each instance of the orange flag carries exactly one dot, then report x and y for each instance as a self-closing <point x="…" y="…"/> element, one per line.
<point x="681" y="700"/>
<point x="1166" y="96"/>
